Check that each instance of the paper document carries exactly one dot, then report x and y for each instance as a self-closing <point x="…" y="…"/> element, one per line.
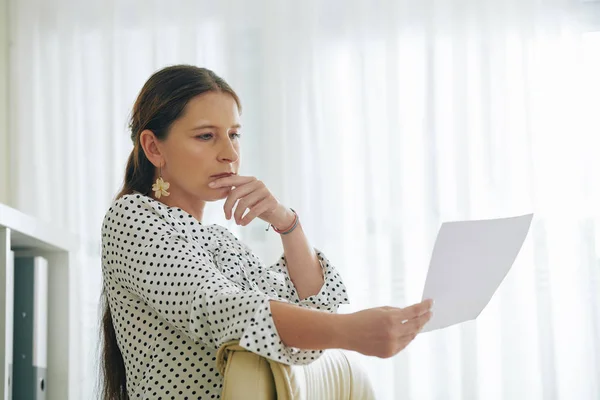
<point x="469" y="261"/>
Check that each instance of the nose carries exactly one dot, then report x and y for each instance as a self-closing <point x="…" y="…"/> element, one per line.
<point x="228" y="154"/>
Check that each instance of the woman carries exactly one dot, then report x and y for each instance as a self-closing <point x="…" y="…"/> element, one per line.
<point x="175" y="289"/>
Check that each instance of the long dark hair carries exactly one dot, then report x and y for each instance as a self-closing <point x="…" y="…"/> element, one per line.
<point x="161" y="102"/>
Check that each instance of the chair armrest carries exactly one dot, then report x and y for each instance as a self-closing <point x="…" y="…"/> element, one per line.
<point x="245" y="375"/>
<point x="250" y="376"/>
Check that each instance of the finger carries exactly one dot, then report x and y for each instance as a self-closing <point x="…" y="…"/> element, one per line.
<point x="256" y="211"/>
<point x="249" y="201"/>
<point x="233" y="180"/>
<point x="415" y="325"/>
<point x="236" y="194"/>
<point x="415" y="310"/>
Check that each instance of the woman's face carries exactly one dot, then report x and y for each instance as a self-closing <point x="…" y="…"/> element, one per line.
<point x="202" y="143"/>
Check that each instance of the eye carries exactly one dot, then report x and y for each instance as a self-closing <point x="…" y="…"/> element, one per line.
<point x="236" y="135"/>
<point x="205" y="136"/>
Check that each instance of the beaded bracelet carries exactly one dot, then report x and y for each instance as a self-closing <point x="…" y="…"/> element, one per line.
<point x="288" y="230"/>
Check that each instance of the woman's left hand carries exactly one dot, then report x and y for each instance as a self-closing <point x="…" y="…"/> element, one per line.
<point x="252" y="194"/>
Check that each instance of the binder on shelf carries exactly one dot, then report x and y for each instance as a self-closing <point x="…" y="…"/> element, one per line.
<point x="30" y="328"/>
<point x="9" y="331"/>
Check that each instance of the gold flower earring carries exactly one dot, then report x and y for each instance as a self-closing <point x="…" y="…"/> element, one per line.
<point x="160" y="187"/>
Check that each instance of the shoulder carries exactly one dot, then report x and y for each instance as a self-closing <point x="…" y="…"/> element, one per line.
<point x="135" y="209"/>
<point x="134" y="222"/>
<point x="131" y="202"/>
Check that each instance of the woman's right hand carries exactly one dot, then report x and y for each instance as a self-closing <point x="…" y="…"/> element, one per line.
<point x="385" y="331"/>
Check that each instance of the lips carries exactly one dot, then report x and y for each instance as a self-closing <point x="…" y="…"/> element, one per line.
<point x="223" y="175"/>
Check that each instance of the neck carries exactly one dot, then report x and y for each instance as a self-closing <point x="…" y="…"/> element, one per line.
<point x="189" y="204"/>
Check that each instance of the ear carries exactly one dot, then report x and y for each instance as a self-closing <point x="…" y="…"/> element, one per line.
<point x="151" y="146"/>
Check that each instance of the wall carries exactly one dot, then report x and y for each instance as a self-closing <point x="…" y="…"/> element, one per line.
<point x="4" y="143"/>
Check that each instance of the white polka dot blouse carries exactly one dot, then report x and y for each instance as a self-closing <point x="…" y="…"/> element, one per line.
<point x="178" y="289"/>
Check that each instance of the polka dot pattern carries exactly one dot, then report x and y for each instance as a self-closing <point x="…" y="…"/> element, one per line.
<point x="178" y="290"/>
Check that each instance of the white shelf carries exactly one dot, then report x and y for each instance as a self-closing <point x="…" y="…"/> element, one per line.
<point x="30" y="233"/>
<point x="22" y="233"/>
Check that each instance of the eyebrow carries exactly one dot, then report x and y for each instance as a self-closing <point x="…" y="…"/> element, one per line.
<point x="207" y="126"/>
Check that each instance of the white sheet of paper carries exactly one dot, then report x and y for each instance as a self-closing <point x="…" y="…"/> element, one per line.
<point x="469" y="261"/>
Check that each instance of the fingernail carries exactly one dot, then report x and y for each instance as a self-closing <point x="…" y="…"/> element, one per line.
<point x="212" y="184"/>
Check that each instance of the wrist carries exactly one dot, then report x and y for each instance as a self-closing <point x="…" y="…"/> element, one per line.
<point x="285" y="220"/>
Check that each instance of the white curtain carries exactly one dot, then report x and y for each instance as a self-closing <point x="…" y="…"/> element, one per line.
<point x="377" y="121"/>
